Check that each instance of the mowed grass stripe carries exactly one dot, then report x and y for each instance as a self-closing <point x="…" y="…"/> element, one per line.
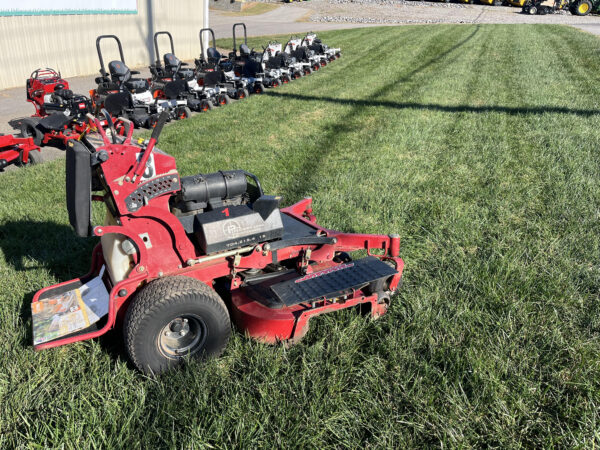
<point x="479" y="145"/>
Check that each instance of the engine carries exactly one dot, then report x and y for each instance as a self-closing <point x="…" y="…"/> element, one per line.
<point x="222" y="211"/>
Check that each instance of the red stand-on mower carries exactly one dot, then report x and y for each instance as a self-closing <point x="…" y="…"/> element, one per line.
<point x="20" y="151"/>
<point x="179" y="258"/>
<point x="59" y="113"/>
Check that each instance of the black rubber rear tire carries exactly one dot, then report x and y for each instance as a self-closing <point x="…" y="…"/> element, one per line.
<point x="29" y="128"/>
<point x="164" y="301"/>
<point x="35" y="157"/>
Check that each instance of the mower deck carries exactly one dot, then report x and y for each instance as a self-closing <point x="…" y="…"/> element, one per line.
<point x="280" y="308"/>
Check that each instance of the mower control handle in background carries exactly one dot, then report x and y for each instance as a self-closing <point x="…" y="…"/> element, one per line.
<point x="141" y="167"/>
<point x="162" y="119"/>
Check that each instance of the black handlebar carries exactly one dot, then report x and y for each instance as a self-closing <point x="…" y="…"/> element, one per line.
<point x="158" y="63"/>
<point x="214" y="42"/>
<point x="108" y="36"/>
<point x="162" y="119"/>
<point x="242" y="24"/>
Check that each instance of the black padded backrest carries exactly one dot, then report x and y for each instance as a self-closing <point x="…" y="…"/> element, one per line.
<point x="244" y="50"/>
<point x="171" y="61"/>
<point x="79" y="187"/>
<point x="117" y="68"/>
<point x="213" y="54"/>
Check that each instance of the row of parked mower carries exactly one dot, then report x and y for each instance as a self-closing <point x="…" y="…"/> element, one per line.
<point x="174" y="88"/>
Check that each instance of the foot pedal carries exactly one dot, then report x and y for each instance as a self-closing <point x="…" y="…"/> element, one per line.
<point x="332" y="282"/>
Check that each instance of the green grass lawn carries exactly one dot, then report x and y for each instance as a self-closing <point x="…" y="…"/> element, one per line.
<point x="479" y="145"/>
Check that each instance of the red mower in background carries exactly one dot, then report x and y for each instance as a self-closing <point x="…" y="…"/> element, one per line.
<point x="20" y="151"/>
<point x="59" y="113"/>
<point x="180" y="258"/>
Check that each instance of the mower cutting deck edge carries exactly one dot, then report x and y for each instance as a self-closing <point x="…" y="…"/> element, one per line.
<point x="179" y="258"/>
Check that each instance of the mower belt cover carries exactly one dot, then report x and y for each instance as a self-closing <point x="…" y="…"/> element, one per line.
<point x="238" y="226"/>
<point x="333" y="282"/>
<point x="56" y="121"/>
<point x="79" y="187"/>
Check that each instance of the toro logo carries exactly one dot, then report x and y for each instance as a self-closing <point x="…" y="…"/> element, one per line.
<point x="81" y="105"/>
<point x="310" y="276"/>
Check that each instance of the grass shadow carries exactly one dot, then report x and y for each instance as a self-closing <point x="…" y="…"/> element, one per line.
<point x="534" y="110"/>
<point x="308" y="172"/>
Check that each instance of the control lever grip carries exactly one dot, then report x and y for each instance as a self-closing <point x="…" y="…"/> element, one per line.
<point x="162" y="119"/>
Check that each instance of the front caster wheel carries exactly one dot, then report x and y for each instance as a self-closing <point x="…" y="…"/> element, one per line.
<point x="223" y="99"/>
<point x="183" y="112"/>
<point x="258" y="88"/>
<point x="206" y="105"/>
<point x="173" y="319"/>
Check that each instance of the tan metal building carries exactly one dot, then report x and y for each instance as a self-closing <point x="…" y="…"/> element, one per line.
<point x="67" y="42"/>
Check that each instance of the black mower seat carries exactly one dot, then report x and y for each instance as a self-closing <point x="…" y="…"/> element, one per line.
<point x="213" y="56"/>
<point x="119" y="72"/>
<point x="244" y="50"/>
<point x="171" y="65"/>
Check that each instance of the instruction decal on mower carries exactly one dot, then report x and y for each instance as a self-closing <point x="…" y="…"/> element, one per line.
<point x="310" y="276"/>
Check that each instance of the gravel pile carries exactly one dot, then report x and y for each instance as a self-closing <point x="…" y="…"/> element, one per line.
<point x="348" y="19"/>
<point x="397" y="3"/>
